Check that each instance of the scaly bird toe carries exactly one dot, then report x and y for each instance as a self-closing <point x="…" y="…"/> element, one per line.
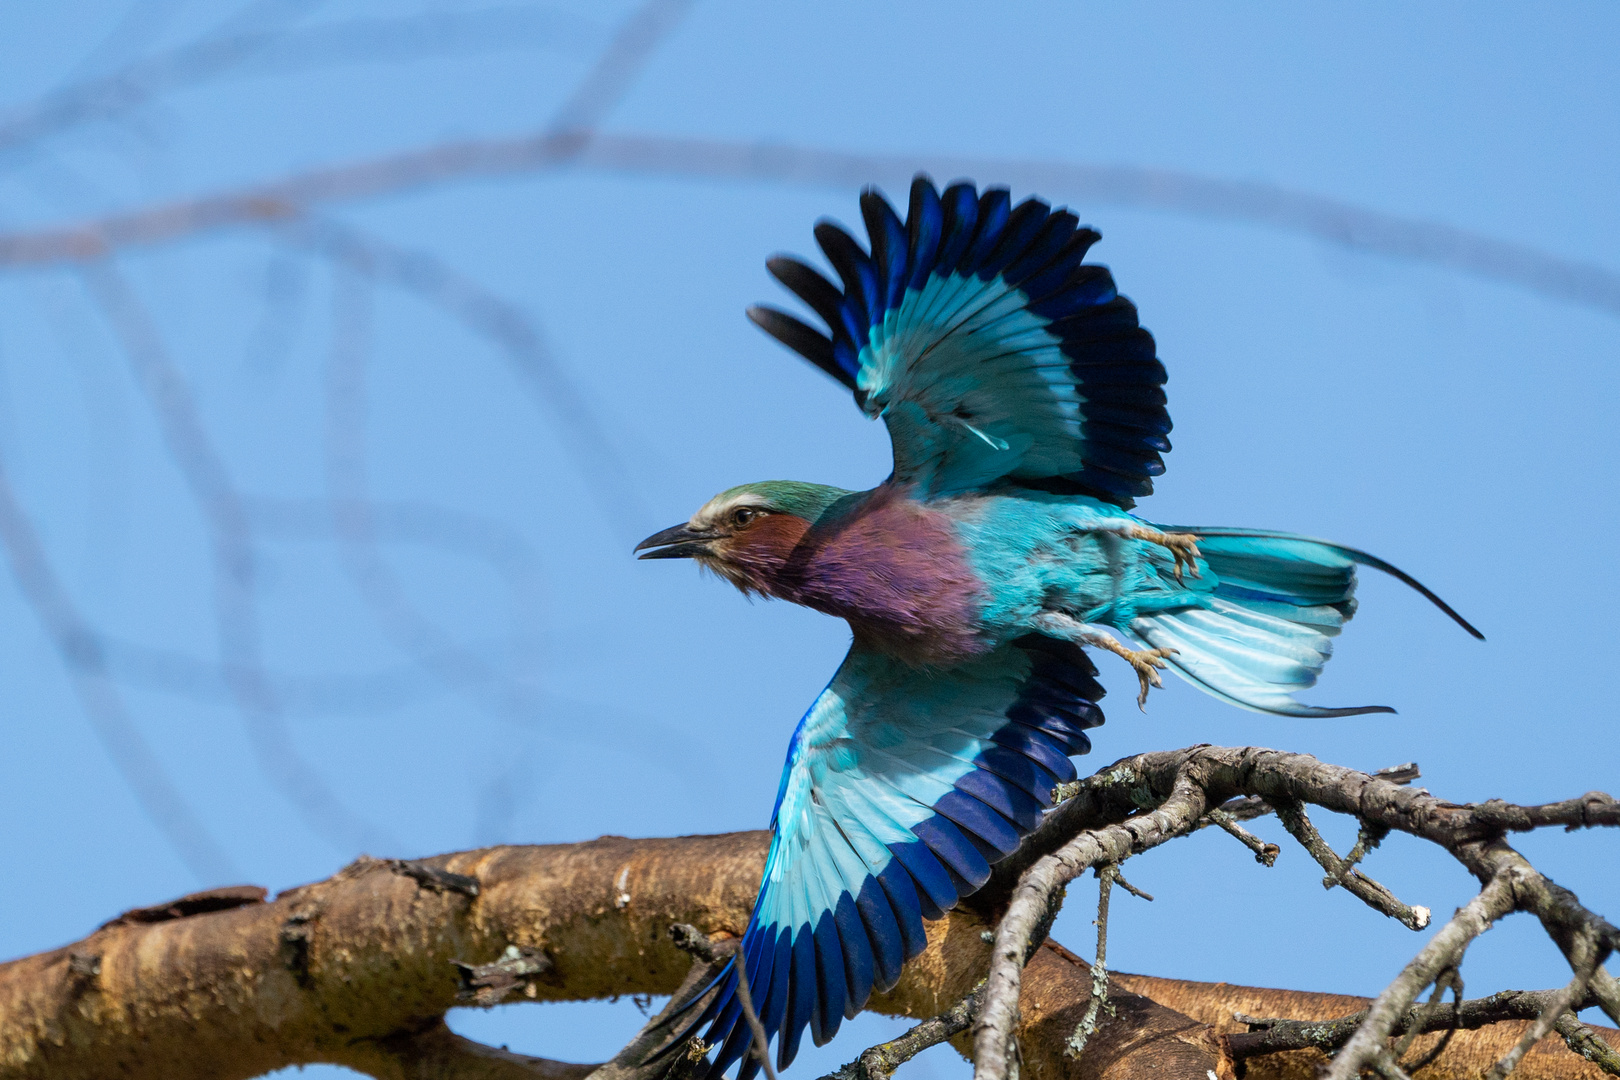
<point x="1148" y="663"/>
<point x="1183" y="547"/>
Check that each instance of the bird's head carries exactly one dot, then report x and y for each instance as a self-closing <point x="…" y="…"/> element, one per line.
<point x="747" y="534"/>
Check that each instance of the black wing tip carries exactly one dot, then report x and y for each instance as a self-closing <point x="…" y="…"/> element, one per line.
<point x="802" y="338"/>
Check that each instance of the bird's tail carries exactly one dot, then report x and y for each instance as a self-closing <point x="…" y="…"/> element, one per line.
<point x="1279" y="601"/>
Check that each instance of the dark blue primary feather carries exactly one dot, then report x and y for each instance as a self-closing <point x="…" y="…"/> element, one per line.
<point x="961" y="209"/>
<point x="995" y="207"/>
<point x="889" y="249"/>
<point x="993" y="352"/>
<point x="900" y="791"/>
<point x="925" y="225"/>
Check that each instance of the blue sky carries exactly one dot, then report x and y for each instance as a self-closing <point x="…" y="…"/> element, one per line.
<point x="529" y="682"/>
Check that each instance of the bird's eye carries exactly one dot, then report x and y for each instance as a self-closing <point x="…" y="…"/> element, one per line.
<point x="741" y="516"/>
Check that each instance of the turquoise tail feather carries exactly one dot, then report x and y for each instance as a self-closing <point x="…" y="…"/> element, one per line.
<point x="1268" y="629"/>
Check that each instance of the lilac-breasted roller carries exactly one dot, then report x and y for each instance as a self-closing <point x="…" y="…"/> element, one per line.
<point x="1027" y="413"/>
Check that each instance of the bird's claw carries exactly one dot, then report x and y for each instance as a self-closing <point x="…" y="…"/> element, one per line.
<point x="1183" y="547"/>
<point x="1148" y="663"/>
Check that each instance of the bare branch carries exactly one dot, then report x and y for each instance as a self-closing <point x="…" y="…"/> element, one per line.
<point x="1341" y="872"/>
<point x="1607" y="990"/>
<point x="638" y="37"/>
<point x="1587" y="1043"/>
<point x="1102" y="810"/>
<point x="1328" y="220"/>
<point x="358" y="966"/>
<point x="880" y="1062"/>
<point x="1265" y="854"/>
<point x="1098" y="999"/>
<point x="1444" y="950"/>
<point x="1178" y="814"/>
<point x="1449" y="979"/>
<point x="358" y="970"/>
<point x="1587" y="953"/>
<point x="1271" y="1035"/>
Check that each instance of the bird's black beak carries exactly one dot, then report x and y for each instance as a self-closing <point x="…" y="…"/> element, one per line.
<point x="677" y="542"/>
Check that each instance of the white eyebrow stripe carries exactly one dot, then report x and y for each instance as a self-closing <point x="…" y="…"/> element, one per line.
<point x="711" y="511"/>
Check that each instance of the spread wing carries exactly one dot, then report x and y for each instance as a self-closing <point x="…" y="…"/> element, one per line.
<point x="990" y="350"/>
<point x="901" y="788"/>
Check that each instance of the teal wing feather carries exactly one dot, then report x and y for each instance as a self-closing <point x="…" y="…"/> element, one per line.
<point x="989" y="348"/>
<point x="899" y="791"/>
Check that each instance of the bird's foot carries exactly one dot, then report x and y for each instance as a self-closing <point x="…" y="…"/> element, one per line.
<point x="1183" y="547"/>
<point x="1146" y="662"/>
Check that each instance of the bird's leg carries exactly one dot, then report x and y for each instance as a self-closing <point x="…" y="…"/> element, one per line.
<point x="1146" y="662"/>
<point x="1182" y="546"/>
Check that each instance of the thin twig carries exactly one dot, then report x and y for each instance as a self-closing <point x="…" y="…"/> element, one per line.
<point x="84" y="656"/>
<point x="1099" y="968"/>
<point x="1402" y="774"/>
<point x="237" y="630"/>
<point x="1385" y="1065"/>
<point x="1294" y="819"/>
<point x="1592" y="953"/>
<point x="505" y="324"/>
<point x="879" y="1062"/>
<point x="1450" y="979"/>
<point x="257" y="49"/>
<point x="1265" y="854"/>
<point x="1368" y="837"/>
<point x="1587" y="1043"/>
<point x="1119" y="879"/>
<point x="761" y="1043"/>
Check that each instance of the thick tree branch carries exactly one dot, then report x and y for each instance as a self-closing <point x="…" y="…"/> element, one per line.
<point x="360" y="969"/>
